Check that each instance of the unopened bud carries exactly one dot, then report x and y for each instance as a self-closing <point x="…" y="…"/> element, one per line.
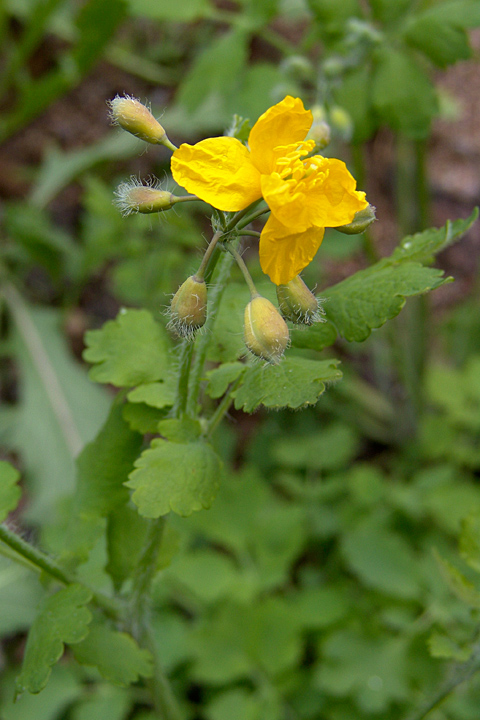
<point x="188" y="309"/>
<point x="341" y="122"/>
<point x="135" y="197"/>
<point x="298" y="304"/>
<point x="137" y="119"/>
<point x="320" y="133"/>
<point x="265" y="331"/>
<point x="361" y="221"/>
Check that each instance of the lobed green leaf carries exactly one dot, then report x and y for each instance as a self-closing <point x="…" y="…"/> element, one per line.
<point x="315" y="337"/>
<point x="63" y="618"/>
<point x="220" y="378"/>
<point x="294" y="383"/>
<point x="422" y="247"/>
<point x="183" y="477"/>
<point x="115" y="654"/>
<point x="369" y="298"/>
<point x="128" y="351"/>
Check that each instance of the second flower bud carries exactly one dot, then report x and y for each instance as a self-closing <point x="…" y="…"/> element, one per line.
<point x="188" y="309"/>
<point x="298" y="304"/>
<point x="265" y="331"/>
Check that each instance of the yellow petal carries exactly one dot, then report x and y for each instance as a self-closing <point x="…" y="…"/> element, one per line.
<point x="283" y="256"/>
<point x="326" y="197"/>
<point x="283" y="124"/>
<point x="218" y="171"/>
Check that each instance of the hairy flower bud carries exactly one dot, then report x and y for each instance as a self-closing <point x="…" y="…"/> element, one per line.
<point x="188" y="309"/>
<point x="135" y="197"/>
<point x="361" y="221"/>
<point x="298" y="304"/>
<point x="137" y="119"/>
<point x="265" y="331"/>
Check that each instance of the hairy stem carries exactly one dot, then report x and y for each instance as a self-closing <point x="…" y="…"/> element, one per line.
<point x="185" y="361"/>
<point x="200" y="274"/>
<point x="42" y="562"/>
<point x="247" y="220"/>
<point x="139" y="618"/>
<point x="143" y="576"/>
<point x="204" y="339"/>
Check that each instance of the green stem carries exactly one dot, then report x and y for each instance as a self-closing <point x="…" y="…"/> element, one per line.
<point x="139" y="619"/>
<point x="251" y="233"/>
<point x="250" y="218"/>
<point x="358" y="157"/>
<point x="166" y="142"/>
<point x="143" y="576"/>
<point x="410" y="330"/>
<point x="185" y="198"/>
<point x="423" y="185"/>
<point x="222" y="408"/>
<point x="204" y="339"/>
<point x="241" y="264"/>
<point x="200" y="274"/>
<point x="43" y="562"/>
<point x="161" y="690"/>
<point x="185" y="361"/>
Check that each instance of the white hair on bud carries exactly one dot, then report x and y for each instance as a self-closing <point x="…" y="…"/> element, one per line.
<point x="114" y="104"/>
<point x="122" y="194"/>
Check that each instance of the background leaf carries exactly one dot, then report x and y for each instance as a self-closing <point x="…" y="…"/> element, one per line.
<point x="402" y="94"/>
<point x="58" y="408"/>
<point x="10" y="493"/>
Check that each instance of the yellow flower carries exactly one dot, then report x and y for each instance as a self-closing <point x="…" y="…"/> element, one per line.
<point x="304" y="195"/>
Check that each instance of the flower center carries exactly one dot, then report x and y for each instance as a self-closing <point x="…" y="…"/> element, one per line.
<point x="287" y="159"/>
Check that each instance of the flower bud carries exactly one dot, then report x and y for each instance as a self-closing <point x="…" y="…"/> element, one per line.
<point x="320" y="133"/>
<point x="361" y="221"/>
<point x="135" y="197"/>
<point x="341" y="122"/>
<point x="137" y="119"/>
<point x="298" y="304"/>
<point x="265" y="331"/>
<point x="188" y="309"/>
